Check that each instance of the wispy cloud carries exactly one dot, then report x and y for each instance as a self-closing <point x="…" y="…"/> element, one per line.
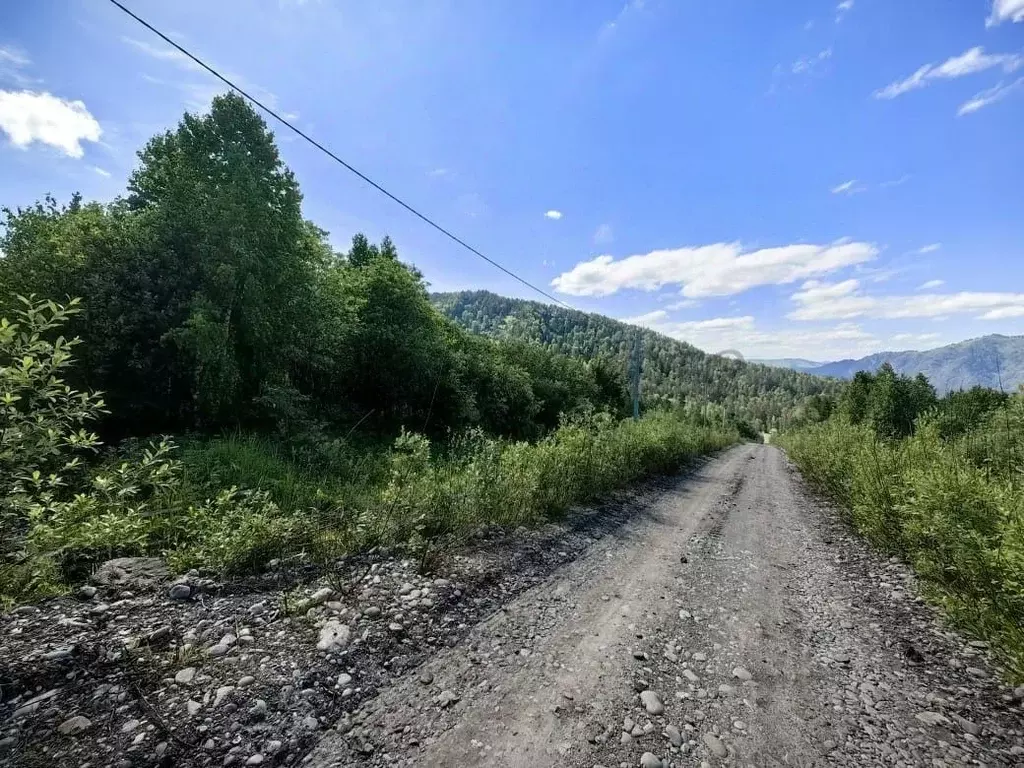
<point x="198" y="94"/>
<point x="742" y="332"/>
<point x="28" y="117"/>
<point x="684" y="304"/>
<point x="101" y="171"/>
<point x="603" y="235"/>
<point x="968" y="63"/>
<point x="720" y="269"/>
<point x="630" y="8"/>
<point x="927" y="286"/>
<point x="1005" y="10"/>
<point x="809" y="64"/>
<point x="989" y="96"/>
<point x="162" y="52"/>
<point x="842" y="9"/>
<point x="850" y="187"/>
<point x="553" y="214"/>
<point x="472" y="205"/>
<point x="437" y="173"/>
<point x="930" y="248"/>
<point x="845" y="300"/>
<point x="915" y="338"/>
<point x="13" y="62"/>
<point x="896" y="182"/>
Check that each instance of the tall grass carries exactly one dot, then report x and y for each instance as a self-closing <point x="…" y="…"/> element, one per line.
<point x="426" y="497"/>
<point x="953" y="508"/>
<point x="234" y="503"/>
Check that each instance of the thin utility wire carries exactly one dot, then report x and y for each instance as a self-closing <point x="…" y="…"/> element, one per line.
<point x="337" y="159"/>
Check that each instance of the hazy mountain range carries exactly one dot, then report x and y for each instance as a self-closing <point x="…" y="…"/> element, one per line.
<point x="992" y="361"/>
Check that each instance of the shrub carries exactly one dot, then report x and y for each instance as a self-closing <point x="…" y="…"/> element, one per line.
<point x="949" y="501"/>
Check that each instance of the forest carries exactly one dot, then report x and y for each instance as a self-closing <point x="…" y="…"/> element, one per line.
<point x="192" y="371"/>
<point x="938" y="482"/>
<point x="674" y="373"/>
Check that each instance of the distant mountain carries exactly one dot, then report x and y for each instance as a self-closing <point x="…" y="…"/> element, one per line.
<point x="990" y="361"/>
<point x="672" y="370"/>
<point x="793" y="363"/>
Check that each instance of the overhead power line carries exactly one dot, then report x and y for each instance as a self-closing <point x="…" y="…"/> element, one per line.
<point x="330" y="154"/>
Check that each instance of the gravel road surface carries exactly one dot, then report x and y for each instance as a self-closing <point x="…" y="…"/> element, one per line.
<point x="733" y="620"/>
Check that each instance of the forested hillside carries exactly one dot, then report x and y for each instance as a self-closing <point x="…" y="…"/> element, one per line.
<point x="768" y="397"/>
<point x="991" y="361"/>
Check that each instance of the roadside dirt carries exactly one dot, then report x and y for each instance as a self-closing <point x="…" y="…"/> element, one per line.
<point x="732" y="620"/>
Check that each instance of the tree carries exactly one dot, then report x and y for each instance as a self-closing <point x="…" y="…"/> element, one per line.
<point x="226" y="212"/>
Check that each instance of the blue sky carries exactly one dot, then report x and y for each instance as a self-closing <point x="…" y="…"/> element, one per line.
<point x="819" y="179"/>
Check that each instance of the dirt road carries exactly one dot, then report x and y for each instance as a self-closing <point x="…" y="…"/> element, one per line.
<point x="734" y="620"/>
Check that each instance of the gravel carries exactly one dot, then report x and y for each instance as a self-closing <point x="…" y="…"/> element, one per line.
<point x="594" y="642"/>
<point x="779" y="637"/>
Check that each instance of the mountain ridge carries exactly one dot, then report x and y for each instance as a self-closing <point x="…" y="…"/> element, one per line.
<point x="995" y="361"/>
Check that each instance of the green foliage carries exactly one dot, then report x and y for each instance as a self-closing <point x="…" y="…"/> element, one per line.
<point x="948" y="497"/>
<point x="962" y="411"/>
<point x="51" y="503"/>
<point x="236" y="532"/>
<point x="324" y="391"/>
<point x="674" y="371"/>
<point x="209" y="303"/>
<point x="888" y="401"/>
<point x="41" y="418"/>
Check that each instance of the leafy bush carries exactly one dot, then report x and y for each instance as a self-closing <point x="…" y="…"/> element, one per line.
<point x="236" y="532"/>
<point x="51" y="503"/>
<point x="952" y="505"/>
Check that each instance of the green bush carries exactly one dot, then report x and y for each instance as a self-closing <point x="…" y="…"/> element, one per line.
<point x="953" y="506"/>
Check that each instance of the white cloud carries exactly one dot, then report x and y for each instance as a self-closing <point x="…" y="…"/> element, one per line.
<point x="808" y="64"/>
<point x="631" y="7"/>
<point x="915" y="338"/>
<point x="847" y="188"/>
<point x="163" y="52"/>
<point x="12" y="63"/>
<point x="842" y="9"/>
<point x="988" y="96"/>
<point x="200" y="94"/>
<point x="720" y="269"/>
<point x="930" y="248"/>
<point x="968" y="63"/>
<point x="742" y="333"/>
<point x="101" y="171"/>
<point x="437" y="173"/>
<point x="14" y="56"/>
<point x="845" y="300"/>
<point x="928" y="285"/>
<point x="603" y="235"/>
<point x="554" y="215"/>
<point x="1005" y="10"/>
<point x="26" y="117"/>
<point x="684" y="304"/>
<point x="1002" y="313"/>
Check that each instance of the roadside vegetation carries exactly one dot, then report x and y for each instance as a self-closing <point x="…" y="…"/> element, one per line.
<point x="939" y="482"/>
<point x="192" y="371"/>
